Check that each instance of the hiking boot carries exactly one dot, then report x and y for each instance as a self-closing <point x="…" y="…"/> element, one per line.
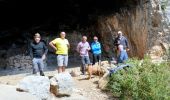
<point x="34" y="72"/>
<point x="42" y="73"/>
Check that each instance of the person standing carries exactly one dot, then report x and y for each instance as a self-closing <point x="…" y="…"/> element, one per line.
<point x="96" y="50"/>
<point x="83" y="48"/>
<point x="61" y="46"/>
<point x="121" y="40"/>
<point x="38" y="51"/>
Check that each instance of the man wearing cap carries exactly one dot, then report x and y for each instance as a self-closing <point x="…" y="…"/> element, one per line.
<point x="96" y="50"/>
<point x="38" y="51"/>
<point x="61" y="46"/>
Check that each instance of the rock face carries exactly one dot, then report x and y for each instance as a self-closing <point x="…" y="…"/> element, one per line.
<point x="62" y="84"/>
<point x="167" y="9"/>
<point x="36" y="85"/>
<point x="142" y="21"/>
<point x="144" y="26"/>
<point x="19" y="62"/>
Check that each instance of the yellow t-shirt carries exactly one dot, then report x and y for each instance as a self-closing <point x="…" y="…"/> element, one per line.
<point x="61" y="45"/>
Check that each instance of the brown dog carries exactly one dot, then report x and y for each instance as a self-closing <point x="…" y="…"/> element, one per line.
<point x="94" y="70"/>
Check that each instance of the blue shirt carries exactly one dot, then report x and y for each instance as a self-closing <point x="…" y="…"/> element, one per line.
<point x="122" y="56"/>
<point x="96" y="48"/>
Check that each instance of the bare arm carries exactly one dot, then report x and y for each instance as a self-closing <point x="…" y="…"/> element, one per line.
<point x="68" y="45"/>
<point x="78" y="48"/>
<point x="89" y="48"/>
<point x="45" y="49"/>
<point x="53" y="46"/>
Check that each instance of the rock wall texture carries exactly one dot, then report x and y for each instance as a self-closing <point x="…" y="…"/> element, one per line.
<point x="144" y="25"/>
<point x="144" y="22"/>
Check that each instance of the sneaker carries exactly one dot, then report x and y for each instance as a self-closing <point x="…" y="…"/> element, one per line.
<point x="42" y="73"/>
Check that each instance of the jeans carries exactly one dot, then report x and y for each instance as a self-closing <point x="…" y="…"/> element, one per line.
<point x="85" y="60"/>
<point x="38" y="64"/>
<point x="96" y="58"/>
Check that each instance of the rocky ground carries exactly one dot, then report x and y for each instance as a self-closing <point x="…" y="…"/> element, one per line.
<point x="85" y="89"/>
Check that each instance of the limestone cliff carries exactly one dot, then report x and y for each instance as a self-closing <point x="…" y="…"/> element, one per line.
<point x="144" y="25"/>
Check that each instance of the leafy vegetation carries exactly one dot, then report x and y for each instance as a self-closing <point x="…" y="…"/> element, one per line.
<point x="143" y="81"/>
<point x="164" y="4"/>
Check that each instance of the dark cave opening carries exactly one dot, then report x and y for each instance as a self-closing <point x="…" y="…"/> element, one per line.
<point x="27" y="14"/>
<point x="20" y="19"/>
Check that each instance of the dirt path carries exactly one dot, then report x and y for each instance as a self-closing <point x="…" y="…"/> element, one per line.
<point x="86" y="88"/>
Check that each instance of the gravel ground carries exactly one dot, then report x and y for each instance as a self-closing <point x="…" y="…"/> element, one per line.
<point x="85" y="89"/>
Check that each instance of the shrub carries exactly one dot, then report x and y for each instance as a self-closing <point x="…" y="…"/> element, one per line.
<point x="143" y="81"/>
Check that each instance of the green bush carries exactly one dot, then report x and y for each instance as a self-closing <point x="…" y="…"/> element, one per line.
<point x="164" y="4"/>
<point x="143" y="81"/>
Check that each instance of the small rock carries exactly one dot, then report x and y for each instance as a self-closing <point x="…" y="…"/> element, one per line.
<point x="74" y="73"/>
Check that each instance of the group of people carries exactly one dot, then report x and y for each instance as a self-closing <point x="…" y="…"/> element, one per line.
<point x="38" y="51"/>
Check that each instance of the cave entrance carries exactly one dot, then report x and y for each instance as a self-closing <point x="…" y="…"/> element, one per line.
<point x="52" y="16"/>
<point x="21" y="19"/>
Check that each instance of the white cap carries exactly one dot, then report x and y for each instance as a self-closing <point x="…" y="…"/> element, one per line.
<point x="119" y="32"/>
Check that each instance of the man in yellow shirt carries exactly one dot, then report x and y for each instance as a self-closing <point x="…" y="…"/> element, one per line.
<point x="61" y="46"/>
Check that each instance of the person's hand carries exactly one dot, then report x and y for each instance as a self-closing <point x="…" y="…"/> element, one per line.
<point x="114" y="62"/>
<point x="127" y="49"/>
<point x="43" y="57"/>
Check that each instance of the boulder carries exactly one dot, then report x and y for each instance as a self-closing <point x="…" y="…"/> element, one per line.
<point x="8" y="92"/>
<point x="62" y="84"/>
<point x="102" y="83"/>
<point x="36" y="85"/>
<point x="74" y="73"/>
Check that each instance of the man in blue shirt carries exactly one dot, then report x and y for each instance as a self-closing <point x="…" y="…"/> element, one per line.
<point x="121" y="60"/>
<point x="96" y="50"/>
<point x="122" y="56"/>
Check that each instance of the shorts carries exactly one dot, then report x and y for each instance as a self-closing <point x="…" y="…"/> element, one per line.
<point x="62" y="60"/>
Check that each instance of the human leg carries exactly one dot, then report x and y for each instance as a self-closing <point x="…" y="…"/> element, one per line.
<point x="65" y="63"/>
<point x="35" y="66"/>
<point x="89" y="66"/>
<point x="41" y="66"/>
<point x="60" y="60"/>
<point x="99" y="59"/>
<point x="83" y="64"/>
<point x="94" y="59"/>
